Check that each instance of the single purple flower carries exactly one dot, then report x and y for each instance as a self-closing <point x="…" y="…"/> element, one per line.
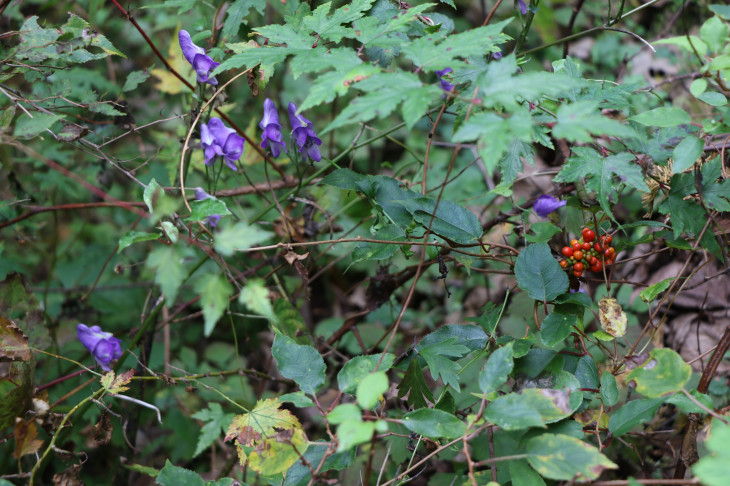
<point x="196" y="56"/>
<point x="523" y="6"/>
<point x="218" y="139"/>
<point x="546" y="204"/>
<point x="271" y="138"/>
<point x="303" y="135"/>
<point x="445" y="85"/>
<point x="200" y="195"/>
<point x="104" y="347"/>
<point x="496" y="56"/>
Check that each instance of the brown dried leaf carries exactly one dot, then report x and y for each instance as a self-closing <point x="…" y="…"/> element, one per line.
<point x="612" y="316"/>
<point x="68" y="477"/>
<point x="13" y="342"/>
<point x="26" y="441"/>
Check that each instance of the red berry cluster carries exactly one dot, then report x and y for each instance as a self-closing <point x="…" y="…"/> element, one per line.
<point x="587" y="253"/>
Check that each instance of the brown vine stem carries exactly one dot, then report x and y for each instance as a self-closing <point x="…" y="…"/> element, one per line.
<point x="34" y="210"/>
<point x="430" y="141"/>
<point x="491" y="13"/>
<point x="573" y="16"/>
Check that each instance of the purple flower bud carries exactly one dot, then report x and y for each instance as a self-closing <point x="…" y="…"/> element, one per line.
<point x="497" y="56"/>
<point x="196" y="56"/>
<point x="200" y="195"/>
<point x="271" y="138"/>
<point x="303" y="135"/>
<point x="103" y="346"/>
<point x="218" y="139"/>
<point x="546" y="204"/>
<point x="445" y="85"/>
<point x="523" y="6"/>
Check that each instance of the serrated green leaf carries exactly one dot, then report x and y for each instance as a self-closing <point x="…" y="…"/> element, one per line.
<point x="664" y="372"/>
<point x="27" y="127"/>
<point x="134" y="79"/>
<point x="329" y="26"/>
<point x="360" y="366"/>
<point x="561" y="457"/>
<point x="414" y="384"/>
<point x="132" y="237"/>
<point x="496" y="134"/>
<point x="255" y="296"/>
<point x="329" y="85"/>
<point x="236" y="15"/>
<point x="169" y="270"/>
<point x="216" y="424"/>
<point x="438" y="358"/>
<point x="539" y="273"/>
<point x="239" y="237"/>
<point x="497" y="370"/>
<point x="712" y="469"/>
<point x="434" y="423"/>
<point x="651" y="292"/>
<point x="172" y="475"/>
<point x="157" y="200"/>
<point x="577" y="121"/>
<point x="544" y="231"/>
<point x="214" y="291"/>
<point x="300" y="363"/>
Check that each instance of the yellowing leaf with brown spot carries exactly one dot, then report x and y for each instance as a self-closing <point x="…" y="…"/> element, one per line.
<point x="612" y="316"/>
<point x="561" y="457"/>
<point x="664" y="372"/>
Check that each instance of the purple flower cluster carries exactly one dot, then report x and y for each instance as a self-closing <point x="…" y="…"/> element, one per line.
<point x="201" y="195"/>
<point x="546" y="204"/>
<point x="196" y="56"/>
<point x="219" y="140"/>
<point x="302" y="133"/>
<point x="104" y="347"/>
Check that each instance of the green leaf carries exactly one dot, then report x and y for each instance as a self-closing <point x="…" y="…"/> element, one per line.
<point x="207" y="207"/>
<point x="351" y="434"/>
<point x="298" y="399"/>
<point x="539" y="273"/>
<point x="631" y="414"/>
<point x="414" y="384"/>
<point x="329" y="26"/>
<point x="721" y="10"/>
<point x="371" y="388"/>
<point x="329" y="85"/>
<point x="576" y="121"/>
<point x="255" y="296"/>
<point x="683" y="42"/>
<point x="300" y="363"/>
<point x="469" y="335"/>
<point x="714" y="32"/>
<point x="664" y="372"/>
<point x="534" y="407"/>
<point x="556" y="327"/>
<point x="451" y="221"/>
<point x="685" y="404"/>
<point x="609" y="390"/>
<point x="686" y="153"/>
<point x="713" y="98"/>
<point x="663" y="117"/>
<point x="27" y="127"/>
<point x="237" y="13"/>
<point x="712" y="469"/>
<point x="216" y="423"/>
<point x="582" y="164"/>
<point x="360" y="366"/>
<point x="172" y="475"/>
<point x="544" y="231"/>
<point x="157" y="200"/>
<point x="132" y="237"/>
<point x="497" y="370"/>
<point x="239" y="237"/>
<point x="170" y="230"/>
<point x="587" y="372"/>
<point x="378" y="251"/>
<point x="561" y="457"/>
<point x="698" y="87"/>
<point x="169" y="270"/>
<point x="434" y="423"/>
<point x="521" y="473"/>
<point x="437" y="357"/>
<point x="346" y="412"/>
<point x="651" y="292"/>
<point x="214" y="291"/>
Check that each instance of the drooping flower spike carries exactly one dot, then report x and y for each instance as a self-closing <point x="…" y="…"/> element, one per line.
<point x="303" y="135"/>
<point x="445" y="84"/>
<point x="104" y="347"/>
<point x="271" y="138"/>
<point x="546" y="204"/>
<point x="200" y="195"/>
<point x="219" y="140"/>
<point x="196" y="56"/>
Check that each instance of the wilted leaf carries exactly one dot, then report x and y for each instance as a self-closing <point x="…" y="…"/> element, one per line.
<point x="612" y="316"/>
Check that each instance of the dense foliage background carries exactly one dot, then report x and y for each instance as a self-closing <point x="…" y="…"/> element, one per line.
<point x="408" y="309"/>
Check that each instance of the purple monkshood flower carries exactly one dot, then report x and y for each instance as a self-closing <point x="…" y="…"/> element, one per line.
<point x="218" y="139"/>
<point x="103" y="346"/>
<point x="445" y="85"/>
<point x="200" y="195"/>
<point x="523" y="6"/>
<point x="303" y="135"/>
<point x="546" y="204"/>
<point x="496" y="56"/>
<point x="196" y="56"/>
<point x="271" y="138"/>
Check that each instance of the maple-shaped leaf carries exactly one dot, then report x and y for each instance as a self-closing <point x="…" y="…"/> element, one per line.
<point x="216" y="422"/>
<point x="437" y="356"/>
<point x="263" y="421"/>
<point x="115" y="384"/>
<point x="414" y="384"/>
<point x="26" y="441"/>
